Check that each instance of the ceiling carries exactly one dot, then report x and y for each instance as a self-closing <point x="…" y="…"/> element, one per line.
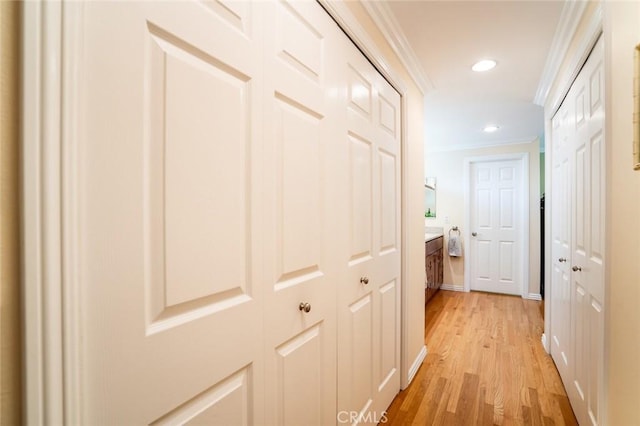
<point x="448" y="37"/>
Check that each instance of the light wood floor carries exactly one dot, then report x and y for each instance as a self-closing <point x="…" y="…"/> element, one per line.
<point x="485" y="365"/>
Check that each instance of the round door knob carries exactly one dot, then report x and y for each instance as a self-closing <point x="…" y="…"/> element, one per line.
<point x="364" y="280"/>
<point x="304" y="306"/>
<point x="474" y="234"/>
<point x="576" y="269"/>
<point x="562" y="259"/>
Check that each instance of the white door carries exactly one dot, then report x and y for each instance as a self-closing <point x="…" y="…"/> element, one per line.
<point x="228" y="187"/>
<point x="299" y="216"/>
<point x="496" y="210"/>
<point x="577" y="317"/>
<point x="560" y="300"/>
<point x="369" y="294"/>
<point x="207" y="132"/>
<point x="169" y="138"/>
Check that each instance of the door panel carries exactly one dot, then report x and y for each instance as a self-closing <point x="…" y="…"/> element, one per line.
<point x="168" y="115"/>
<point x="369" y="297"/>
<point x="496" y="206"/>
<point x="300" y="264"/>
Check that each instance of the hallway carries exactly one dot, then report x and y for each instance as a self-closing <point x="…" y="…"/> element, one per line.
<point x="485" y="365"/>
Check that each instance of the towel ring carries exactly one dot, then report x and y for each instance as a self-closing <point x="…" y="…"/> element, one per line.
<point x="455" y="229"/>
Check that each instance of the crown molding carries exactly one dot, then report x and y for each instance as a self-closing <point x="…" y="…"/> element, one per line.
<point x="385" y="20"/>
<point x="570" y="17"/>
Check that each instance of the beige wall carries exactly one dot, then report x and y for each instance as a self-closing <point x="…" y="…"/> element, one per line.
<point x="622" y="34"/>
<point x="413" y="186"/>
<point x="448" y="168"/>
<point x="10" y="367"/>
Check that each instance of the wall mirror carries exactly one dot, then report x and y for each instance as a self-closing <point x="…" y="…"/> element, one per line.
<point x="430" y="197"/>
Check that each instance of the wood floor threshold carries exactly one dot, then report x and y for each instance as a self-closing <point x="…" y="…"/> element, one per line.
<point x="485" y="366"/>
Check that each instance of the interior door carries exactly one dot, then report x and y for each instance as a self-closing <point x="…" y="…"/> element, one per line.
<point x="577" y="318"/>
<point x="560" y="301"/>
<point x="369" y="295"/>
<point x="169" y="132"/>
<point x="496" y="223"/>
<point x="587" y="237"/>
<point x="299" y="214"/>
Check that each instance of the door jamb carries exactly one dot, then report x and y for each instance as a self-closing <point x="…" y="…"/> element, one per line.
<point x="523" y="157"/>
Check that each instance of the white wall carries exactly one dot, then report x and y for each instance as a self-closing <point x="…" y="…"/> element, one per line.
<point x="448" y="168"/>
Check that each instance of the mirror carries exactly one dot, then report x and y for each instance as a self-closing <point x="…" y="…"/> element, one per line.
<point x="430" y="197"/>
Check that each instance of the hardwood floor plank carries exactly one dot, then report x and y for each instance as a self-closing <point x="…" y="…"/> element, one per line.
<point x="485" y="365"/>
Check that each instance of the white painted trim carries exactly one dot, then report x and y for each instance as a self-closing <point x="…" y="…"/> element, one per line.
<point x="415" y="366"/>
<point x="532" y="296"/>
<point x="358" y="35"/>
<point x="591" y="35"/>
<point x="41" y="213"/>
<point x="570" y="17"/>
<point x="491" y="144"/>
<point x="523" y="157"/>
<point x="383" y="17"/>
<point x="72" y="120"/>
<point x="452" y="287"/>
<point x="545" y="345"/>
<point x="405" y="375"/>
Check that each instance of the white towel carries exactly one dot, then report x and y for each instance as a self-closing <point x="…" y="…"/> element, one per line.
<point x="455" y="246"/>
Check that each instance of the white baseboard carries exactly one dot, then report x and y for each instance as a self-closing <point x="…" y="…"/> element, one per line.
<point x="416" y="364"/>
<point x="532" y="296"/>
<point x="544" y="342"/>
<point x="452" y="287"/>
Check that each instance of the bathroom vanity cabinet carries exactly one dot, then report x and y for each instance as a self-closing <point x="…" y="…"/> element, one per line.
<point x="434" y="264"/>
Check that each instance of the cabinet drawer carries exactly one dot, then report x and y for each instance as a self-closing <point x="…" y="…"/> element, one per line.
<point x="433" y="245"/>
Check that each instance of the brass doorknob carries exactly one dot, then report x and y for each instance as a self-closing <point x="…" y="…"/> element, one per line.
<point x="304" y="306"/>
<point x="474" y="234"/>
<point x="364" y="280"/>
<point x="576" y="269"/>
<point x="562" y="259"/>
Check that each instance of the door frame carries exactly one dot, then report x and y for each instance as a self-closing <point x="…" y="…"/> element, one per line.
<point x="52" y="34"/>
<point x="523" y="157"/>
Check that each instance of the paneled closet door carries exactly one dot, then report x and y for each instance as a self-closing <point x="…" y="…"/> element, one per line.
<point x="587" y="238"/>
<point x="169" y="218"/>
<point x="560" y="300"/>
<point x="299" y="210"/>
<point x="577" y="317"/>
<point x="369" y="295"/>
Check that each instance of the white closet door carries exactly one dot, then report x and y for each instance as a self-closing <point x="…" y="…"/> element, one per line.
<point x="298" y="211"/>
<point x="587" y="273"/>
<point x="560" y="300"/>
<point x="169" y="218"/>
<point x="577" y="317"/>
<point x="369" y="295"/>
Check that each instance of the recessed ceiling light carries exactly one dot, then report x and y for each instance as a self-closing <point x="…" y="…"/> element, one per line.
<point x="484" y="65"/>
<point x="491" y="128"/>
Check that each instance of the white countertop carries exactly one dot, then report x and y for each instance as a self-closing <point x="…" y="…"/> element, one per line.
<point x="428" y="236"/>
